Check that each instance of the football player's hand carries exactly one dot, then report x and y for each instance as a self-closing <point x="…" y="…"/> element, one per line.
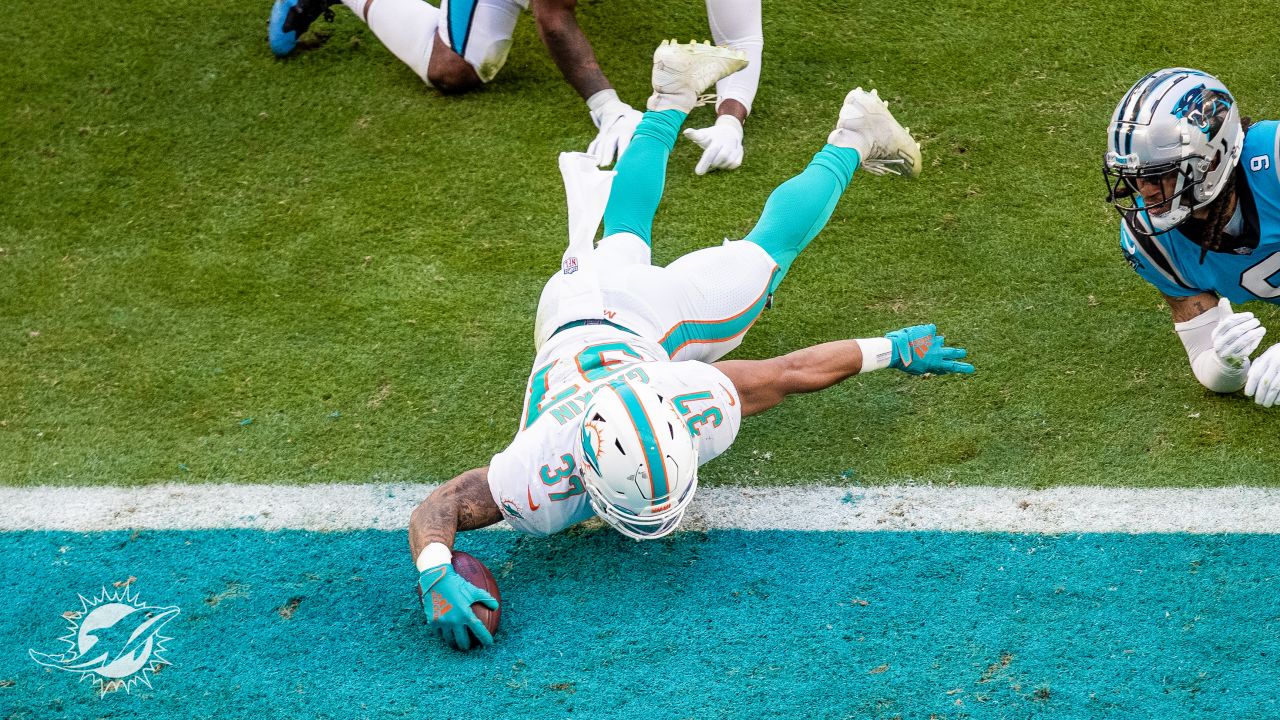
<point x="919" y="349"/>
<point x="1237" y="335"/>
<point x="617" y="122"/>
<point x="446" y="599"/>
<point x="721" y="144"/>
<point x="1263" y="382"/>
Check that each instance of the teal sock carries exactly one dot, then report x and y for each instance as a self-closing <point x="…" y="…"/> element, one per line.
<point x="642" y="172"/>
<point x="799" y="208"/>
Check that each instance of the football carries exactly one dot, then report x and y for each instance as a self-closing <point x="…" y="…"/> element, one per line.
<point x="474" y="572"/>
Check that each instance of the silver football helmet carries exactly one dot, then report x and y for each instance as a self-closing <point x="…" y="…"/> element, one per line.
<point x="1172" y="145"/>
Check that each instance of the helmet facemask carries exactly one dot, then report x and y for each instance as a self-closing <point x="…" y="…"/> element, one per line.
<point x="636" y="527"/>
<point x="1154" y="199"/>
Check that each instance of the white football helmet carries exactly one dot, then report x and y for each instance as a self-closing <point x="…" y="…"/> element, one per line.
<point x="639" y="462"/>
<point x="1176" y="134"/>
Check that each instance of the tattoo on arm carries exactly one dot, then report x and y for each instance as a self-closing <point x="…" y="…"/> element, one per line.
<point x="1189" y="308"/>
<point x="463" y="503"/>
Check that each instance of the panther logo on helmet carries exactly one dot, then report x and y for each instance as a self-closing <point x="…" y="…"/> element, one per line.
<point x="1173" y="143"/>
<point x="1204" y="109"/>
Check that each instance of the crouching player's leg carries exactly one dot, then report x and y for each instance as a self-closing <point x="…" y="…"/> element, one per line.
<point x="456" y="47"/>
<point x="463" y="503"/>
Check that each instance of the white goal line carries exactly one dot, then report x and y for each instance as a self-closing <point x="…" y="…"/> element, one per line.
<point x="1059" y="510"/>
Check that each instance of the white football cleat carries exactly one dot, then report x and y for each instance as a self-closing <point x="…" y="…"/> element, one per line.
<point x="866" y="125"/>
<point x="682" y="71"/>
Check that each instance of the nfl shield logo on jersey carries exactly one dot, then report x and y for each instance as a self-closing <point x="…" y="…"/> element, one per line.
<point x="570" y="265"/>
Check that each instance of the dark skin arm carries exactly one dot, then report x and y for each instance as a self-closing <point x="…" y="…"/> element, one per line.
<point x="569" y="48"/>
<point x="463" y="503"/>
<point x="734" y="108"/>
<point x="1189" y="308"/>
<point x="764" y="384"/>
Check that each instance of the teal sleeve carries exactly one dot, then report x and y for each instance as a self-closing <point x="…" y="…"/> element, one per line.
<point x="800" y="207"/>
<point x="642" y="173"/>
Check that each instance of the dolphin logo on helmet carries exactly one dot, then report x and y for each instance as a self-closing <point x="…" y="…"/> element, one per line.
<point x="639" y="461"/>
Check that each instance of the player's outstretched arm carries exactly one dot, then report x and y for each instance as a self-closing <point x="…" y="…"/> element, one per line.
<point x="558" y="27"/>
<point x="1218" y="341"/>
<point x="463" y="503"/>
<point x="916" y="350"/>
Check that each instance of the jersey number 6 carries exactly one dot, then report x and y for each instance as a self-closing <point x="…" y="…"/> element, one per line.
<point x="1257" y="279"/>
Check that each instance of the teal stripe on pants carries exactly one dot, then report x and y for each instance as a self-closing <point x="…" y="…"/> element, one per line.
<point x="711" y="331"/>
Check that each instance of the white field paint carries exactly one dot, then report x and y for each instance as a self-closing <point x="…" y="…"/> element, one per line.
<point x="847" y="508"/>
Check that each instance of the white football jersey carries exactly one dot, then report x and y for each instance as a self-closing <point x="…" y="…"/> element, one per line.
<point x="536" y="480"/>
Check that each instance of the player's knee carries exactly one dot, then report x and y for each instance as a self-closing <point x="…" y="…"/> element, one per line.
<point x="451" y="75"/>
<point x="490" y="57"/>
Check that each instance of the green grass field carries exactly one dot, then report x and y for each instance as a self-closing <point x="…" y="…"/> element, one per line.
<point x="218" y="266"/>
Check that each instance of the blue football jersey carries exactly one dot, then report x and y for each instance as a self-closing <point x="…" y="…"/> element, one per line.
<point x="1173" y="263"/>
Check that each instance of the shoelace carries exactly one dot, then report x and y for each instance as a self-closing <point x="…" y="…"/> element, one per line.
<point x="705" y="99"/>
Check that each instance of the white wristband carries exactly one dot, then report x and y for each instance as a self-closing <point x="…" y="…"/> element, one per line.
<point x="1196" y="335"/>
<point x="602" y="98"/>
<point x="876" y="353"/>
<point x="433" y="555"/>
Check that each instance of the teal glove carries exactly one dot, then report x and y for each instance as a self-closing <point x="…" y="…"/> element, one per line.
<point x="450" y="612"/>
<point x="919" y="349"/>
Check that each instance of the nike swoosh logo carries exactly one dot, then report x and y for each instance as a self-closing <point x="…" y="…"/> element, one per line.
<point x="732" y="401"/>
<point x="532" y="505"/>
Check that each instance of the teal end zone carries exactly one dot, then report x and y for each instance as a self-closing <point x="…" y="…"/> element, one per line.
<point x="725" y="624"/>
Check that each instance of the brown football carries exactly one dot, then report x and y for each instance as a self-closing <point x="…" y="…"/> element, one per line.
<point x="474" y="572"/>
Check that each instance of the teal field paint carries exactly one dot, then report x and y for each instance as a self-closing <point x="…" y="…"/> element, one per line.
<point x="815" y="625"/>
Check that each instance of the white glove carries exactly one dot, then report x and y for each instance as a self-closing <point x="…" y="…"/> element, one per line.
<point x="616" y="122"/>
<point x="1263" y="384"/>
<point x="721" y="144"/>
<point x="1236" y="336"/>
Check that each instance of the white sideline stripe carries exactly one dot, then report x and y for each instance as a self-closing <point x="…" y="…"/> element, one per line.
<point x="849" y="508"/>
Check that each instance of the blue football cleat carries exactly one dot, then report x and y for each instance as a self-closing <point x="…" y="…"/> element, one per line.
<point x="290" y="18"/>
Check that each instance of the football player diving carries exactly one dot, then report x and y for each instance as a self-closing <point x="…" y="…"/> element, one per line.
<point x="627" y="395"/>
<point x="1199" y="197"/>
<point x="462" y="44"/>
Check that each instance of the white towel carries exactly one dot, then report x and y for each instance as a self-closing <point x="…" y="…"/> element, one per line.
<point x="575" y="294"/>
